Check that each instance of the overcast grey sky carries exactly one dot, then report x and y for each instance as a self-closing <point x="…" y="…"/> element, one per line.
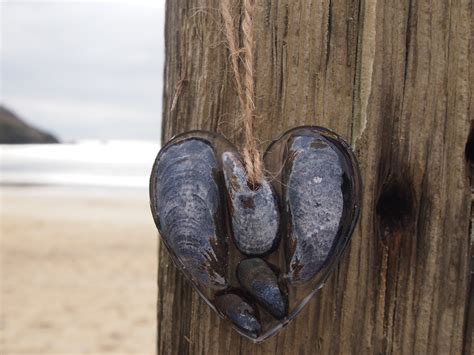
<point x="84" y="69"/>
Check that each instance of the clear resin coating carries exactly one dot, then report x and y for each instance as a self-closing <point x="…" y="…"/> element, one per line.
<point x="256" y="254"/>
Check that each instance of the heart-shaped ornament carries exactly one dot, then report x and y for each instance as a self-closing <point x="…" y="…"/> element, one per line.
<point x="256" y="254"/>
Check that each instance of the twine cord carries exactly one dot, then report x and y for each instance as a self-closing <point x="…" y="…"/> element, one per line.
<point x="245" y="87"/>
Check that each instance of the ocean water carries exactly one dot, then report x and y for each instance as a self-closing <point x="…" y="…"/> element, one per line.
<point x="85" y="163"/>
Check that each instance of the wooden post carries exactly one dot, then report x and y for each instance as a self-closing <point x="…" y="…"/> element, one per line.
<point x="395" y="78"/>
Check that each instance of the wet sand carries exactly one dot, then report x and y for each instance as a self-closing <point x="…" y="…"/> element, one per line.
<point x="78" y="271"/>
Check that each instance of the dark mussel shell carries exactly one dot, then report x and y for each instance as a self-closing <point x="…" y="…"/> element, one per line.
<point x="186" y="206"/>
<point x="259" y="280"/>
<point x="242" y="314"/>
<point x="319" y="183"/>
<point x="254" y="211"/>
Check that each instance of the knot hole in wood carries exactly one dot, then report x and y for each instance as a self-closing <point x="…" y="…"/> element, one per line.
<point x="395" y="207"/>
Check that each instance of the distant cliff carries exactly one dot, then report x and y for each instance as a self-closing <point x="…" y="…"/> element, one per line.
<point x="14" y="130"/>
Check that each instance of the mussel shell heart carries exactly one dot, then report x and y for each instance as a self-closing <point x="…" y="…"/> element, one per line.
<point x="256" y="253"/>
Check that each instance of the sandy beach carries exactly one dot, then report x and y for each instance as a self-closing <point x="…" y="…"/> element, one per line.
<point x="78" y="271"/>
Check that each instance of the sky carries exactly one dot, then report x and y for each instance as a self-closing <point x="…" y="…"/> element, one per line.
<point x="84" y="69"/>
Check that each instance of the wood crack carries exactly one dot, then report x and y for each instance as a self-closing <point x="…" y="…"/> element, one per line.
<point x="328" y="33"/>
<point x="407" y="41"/>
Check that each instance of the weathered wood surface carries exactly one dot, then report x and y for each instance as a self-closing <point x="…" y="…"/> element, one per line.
<point x="395" y="78"/>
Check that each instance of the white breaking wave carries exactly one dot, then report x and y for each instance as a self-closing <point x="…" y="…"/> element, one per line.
<point x="87" y="163"/>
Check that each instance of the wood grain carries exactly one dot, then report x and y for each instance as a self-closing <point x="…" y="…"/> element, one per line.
<point x="395" y="78"/>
